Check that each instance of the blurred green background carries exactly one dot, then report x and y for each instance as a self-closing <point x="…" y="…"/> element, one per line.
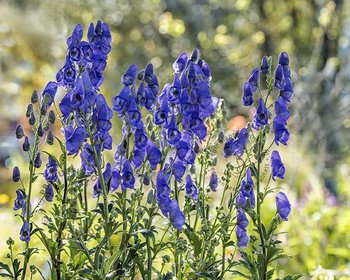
<point x="232" y="36"/>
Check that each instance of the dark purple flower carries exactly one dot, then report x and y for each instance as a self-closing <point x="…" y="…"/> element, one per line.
<point x="161" y="115"/>
<point x="176" y="217"/>
<point x="213" y="181"/>
<point x="25" y="232"/>
<point x="74" y="138"/>
<point x="281" y="131"/>
<point x="134" y="114"/>
<point x="261" y="117"/>
<point x="281" y="108"/>
<point x="19" y="131"/>
<point x="175" y="90"/>
<point x="201" y="91"/>
<point x="254" y="79"/>
<point x="49" y="194"/>
<point x="279" y="78"/>
<point x="283" y="206"/>
<point x="154" y="155"/>
<point x="247" y="185"/>
<point x="50" y="172"/>
<point x="50" y="89"/>
<point x="242" y="237"/>
<point x="277" y="166"/>
<point x="104" y="114"/>
<point x="139" y="157"/>
<point x="242" y="220"/>
<point x="150" y="99"/>
<point x="264" y="67"/>
<point x="20" y="200"/>
<point x="184" y="149"/>
<point x="141" y="94"/>
<point x="148" y="73"/>
<point x="16" y="174"/>
<point x="247" y="98"/>
<point x="196" y="125"/>
<point x="26" y="144"/>
<point x="288" y="91"/>
<point x="76" y="36"/>
<point x="191" y="188"/>
<point x="283" y="59"/>
<point x="236" y="146"/>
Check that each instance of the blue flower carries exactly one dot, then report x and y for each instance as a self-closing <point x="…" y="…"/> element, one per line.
<point x="161" y="115"/>
<point x="139" y="157"/>
<point x="74" y="138"/>
<point x="281" y="131"/>
<point x="154" y="155"/>
<point x="176" y="217"/>
<point x="88" y="159"/>
<point x="148" y="73"/>
<point x="141" y="94"/>
<point x="130" y="75"/>
<point x="254" y="79"/>
<point x="247" y="185"/>
<point x="283" y="206"/>
<point x="261" y="117"/>
<point x="25" y="232"/>
<point x="242" y="237"/>
<point x="141" y="138"/>
<point x="265" y="67"/>
<point x="120" y="101"/>
<point x="107" y="174"/>
<point x="20" y="200"/>
<point x="134" y="114"/>
<point x="283" y="59"/>
<point x="50" y="172"/>
<point x="49" y="194"/>
<point x="77" y="35"/>
<point x="184" y="149"/>
<point x="287" y="91"/>
<point x="281" y="108"/>
<point x="50" y="89"/>
<point x="104" y="114"/>
<point x="279" y="78"/>
<point x="180" y="63"/>
<point x="236" y="146"/>
<point x="175" y="90"/>
<point x="116" y="180"/>
<point x="191" y="188"/>
<point x="150" y="99"/>
<point x="201" y="91"/>
<point x="247" y="98"/>
<point x="127" y="176"/>
<point x="277" y="166"/>
<point x="16" y="174"/>
<point x="37" y="161"/>
<point x="242" y="220"/>
<point x="163" y="192"/>
<point x="213" y="181"/>
<point x="179" y="170"/>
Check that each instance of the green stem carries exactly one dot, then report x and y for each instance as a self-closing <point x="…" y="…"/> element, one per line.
<point x="260" y="230"/>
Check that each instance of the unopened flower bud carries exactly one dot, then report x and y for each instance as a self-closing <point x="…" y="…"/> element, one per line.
<point x="52" y="117"/>
<point x="35" y="97"/>
<point x="16" y="175"/>
<point x="40" y="130"/>
<point x="49" y="138"/>
<point x="37" y="161"/>
<point x="29" y="110"/>
<point x="26" y="145"/>
<point x="32" y="119"/>
<point x="19" y="131"/>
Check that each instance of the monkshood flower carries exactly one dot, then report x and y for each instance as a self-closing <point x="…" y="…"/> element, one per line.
<point x="254" y="79"/>
<point x="163" y="192"/>
<point x="265" y="67"/>
<point x="178" y="170"/>
<point x="236" y="146"/>
<point x="26" y="144"/>
<point x="141" y="138"/>
<point x="279" y="82"/>
<point x="283" y="206"/>
<point x="287" y="91"/>
<point x="19" y="131"/>
<point x="176" y="216"/>
<point x="281" y="108"/>
<point x="128" y="178"/>
<point x="283" y="59"/>
<point x="247" y="185"/>
<point x="16" y="174"/>
<point x="25" y="232"/>
<point x="242" y="221"/>
<point x="247" y="98"/>
<point x="20" y="200"/>
<point x="191" y="188"/>
<point x="242" y="237"/>
<point x="213" y="182"/>
<point x="49" y="194"/>
<point x="154" y="155"/>
<point x="107" y="174"/>
<point x="74" y="138"/>
<point x="37" y="161"/>
<point x="50" y="172"/>
<point x="49" y="91"/>
<point x="247" y="202"/>
<point x="116" y="180"/>
<point x="261" y="117"/>
<point x="277" y="167"/>
<point x="174" y="134"/>
<point x="281" y="131"/>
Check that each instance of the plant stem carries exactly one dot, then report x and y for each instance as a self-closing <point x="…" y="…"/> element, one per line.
<point x="260" y="230"/>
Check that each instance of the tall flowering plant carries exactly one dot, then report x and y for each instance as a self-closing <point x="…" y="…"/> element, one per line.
<point x="160" y="209"/>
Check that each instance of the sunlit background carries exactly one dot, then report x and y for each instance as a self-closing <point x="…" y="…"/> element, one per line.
<point x="232" y="37"/>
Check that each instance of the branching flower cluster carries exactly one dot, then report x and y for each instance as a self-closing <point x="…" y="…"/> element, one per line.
<point x="154" y="213"/>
